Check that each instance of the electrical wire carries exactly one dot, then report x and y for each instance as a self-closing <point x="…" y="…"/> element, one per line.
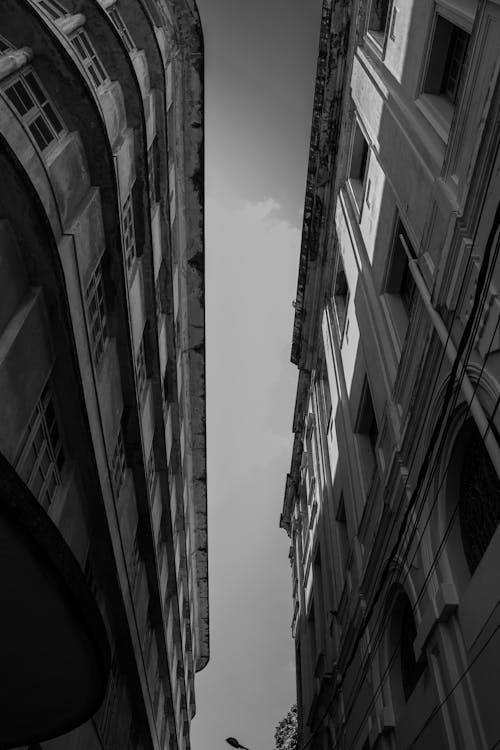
<point x="305" y="745"/>
<point x="437" y="708"/>
<point x="388" y="534"/>
<point x="485" y="288"/>
<point x="423" y="590"/>
<point x="365" y="666"/>
<point x="379" y="632"/>
<point x="435" y="434"/>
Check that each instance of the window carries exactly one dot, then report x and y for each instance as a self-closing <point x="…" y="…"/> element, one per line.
<point x="311" y="632"/>
<point x="444" y="70"/>
<point x="96" y="314"/>
<point x="342" y="536"/>
<point x="148" y="639"/>
<point x="358" y="166"/>
<point x="28" y="97"/>
<point x="447" y="59"/>
<point x="319" y="603"/>
<point x="403" y="632"/>
<point x="479" y="499"/>
<point x="140" y="371"/>
<point x="42" y="456"/>
<point x="410" y="670"/>
<point x="118" y="464"/>
<point x="400" y="287"/>
<point x="128" y="233"/>
<point x="367" y="433"/>
<point x="158" y="296"/>
<point x="119" y="24"/>
<point x="172" y="193"/>
<point x="151" y="473"/>
<point x="340" y="297"/>
<point x="52" y="8"/>
<point x="377" y="24"/>
<point x="153" y="186"/>
<point x="170" y="129"/>
<point x="325" y="399"/>
<point x="134" y="562"/>
<point x="87" y="54"/>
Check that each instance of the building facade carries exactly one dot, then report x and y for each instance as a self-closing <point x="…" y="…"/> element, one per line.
<point x="392" y="502"/>
<point x="102" y="356"/>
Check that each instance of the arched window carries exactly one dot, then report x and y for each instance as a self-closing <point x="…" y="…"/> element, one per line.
<point x="406" y="671"/>
<point x="410" y="669"/>
<point x="479" y="499"/>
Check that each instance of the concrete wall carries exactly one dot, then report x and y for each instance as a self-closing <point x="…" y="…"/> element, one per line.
<point x="61" y="222"/>
<point x="348" y="518"/>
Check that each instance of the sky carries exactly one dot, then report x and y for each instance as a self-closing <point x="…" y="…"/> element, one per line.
<point x="260" y="61"/>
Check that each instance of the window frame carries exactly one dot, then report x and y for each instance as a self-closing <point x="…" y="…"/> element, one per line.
<point x="434" y="105"/>
<point x="358" y="166"/>
<point x="398" y="310"/>
<point x="407" y="670"/>
<point x="118" y="464"/>
<point x="153" y="172"/>
<point x="151" y="473"/>
<point x="43" y="439"/>
<point x="341" y="278"/>
<point x="52" y="8"/>
<point x="122" y="29"/>
<point x="97" y="319"/>
<point x="141" y="371"/>
<point x="42" y="108"/>
<point x="377" y="36"/>
<point x="342" y="538"/>
<point x="367" y="437"/>
<point x="128" y="233"/>
<point x="89" y="58"/>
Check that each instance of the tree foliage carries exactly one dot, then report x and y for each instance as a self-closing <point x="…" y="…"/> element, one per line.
<point x="285" y="735"/>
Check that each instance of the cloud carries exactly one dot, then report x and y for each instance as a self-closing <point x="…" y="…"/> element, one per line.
<point x="252" y="255"/>
<point x="251" y="279"/>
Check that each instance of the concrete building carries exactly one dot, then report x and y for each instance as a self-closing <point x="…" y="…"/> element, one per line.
<point x="392" y="502"/>
<point x="102" y="361"/>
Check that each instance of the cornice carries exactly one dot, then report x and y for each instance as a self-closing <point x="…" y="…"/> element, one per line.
<point x="311" y="207"/>
<point x="328" y="108"/>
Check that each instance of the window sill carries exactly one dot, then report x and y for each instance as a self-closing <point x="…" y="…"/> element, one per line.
<point x="438" y="111"/>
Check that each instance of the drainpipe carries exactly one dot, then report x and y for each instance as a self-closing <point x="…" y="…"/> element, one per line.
<point x="468" y="389"/>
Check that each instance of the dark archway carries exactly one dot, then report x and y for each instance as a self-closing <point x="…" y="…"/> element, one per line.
<point x="479" y="497"/>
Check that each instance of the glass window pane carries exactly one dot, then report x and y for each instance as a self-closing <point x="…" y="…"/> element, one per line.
<point x="35" y="88"/>
<point x="20" y="98"/>
<point x="94" y="76"/>
<point x="99" y="69"/>
<point x="53" y="118"/>
<point x="79" y="47"/>
<point x="41" y="133"/>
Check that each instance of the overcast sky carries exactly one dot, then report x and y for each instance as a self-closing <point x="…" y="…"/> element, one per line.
<point x="260" y="60"/>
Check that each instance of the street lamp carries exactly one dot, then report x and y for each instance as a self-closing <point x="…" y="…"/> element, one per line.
<point x="234" y="743"/>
